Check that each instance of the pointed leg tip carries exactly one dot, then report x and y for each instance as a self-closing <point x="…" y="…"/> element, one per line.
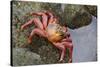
<point x="29" y="41"/>
<point x="60" y="61"/>
<point x="22" y="28"/>
<point x="70" y="61"/>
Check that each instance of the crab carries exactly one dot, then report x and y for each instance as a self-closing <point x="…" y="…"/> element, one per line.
<point x="48" y="27"/>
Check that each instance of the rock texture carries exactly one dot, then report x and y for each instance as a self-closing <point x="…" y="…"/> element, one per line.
<point x="22" y="56"/>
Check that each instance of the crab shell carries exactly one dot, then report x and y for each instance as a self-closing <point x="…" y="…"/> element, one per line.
<point x="55" y="32"/>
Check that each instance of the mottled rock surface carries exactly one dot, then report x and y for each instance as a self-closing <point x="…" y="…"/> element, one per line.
<point x="76" y="16"/>
<point x="22" y="56"/>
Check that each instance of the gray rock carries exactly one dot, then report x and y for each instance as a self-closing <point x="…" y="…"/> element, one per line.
<point x="22" y="56"/>
<point x="76" y="16"/>
<point x="91" y="9"/>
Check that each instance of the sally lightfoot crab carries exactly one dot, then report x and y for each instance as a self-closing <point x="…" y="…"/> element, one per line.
<point x="49" y="28"/>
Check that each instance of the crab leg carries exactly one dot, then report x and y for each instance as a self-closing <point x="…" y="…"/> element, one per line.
<point x="36" y="21"/>
<point x="51" y="17"/>
<point x="63" y="50"/>
<point x="67" y="37"/>
<point x="70" y="46"/>
<point x="26" y="24"/>
<point x="67" y="40"/>
<point x="36" y="31"/>
<point x="44" y="18"/>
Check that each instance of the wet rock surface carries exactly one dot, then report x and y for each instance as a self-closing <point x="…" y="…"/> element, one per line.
<point x="41" y="51"/>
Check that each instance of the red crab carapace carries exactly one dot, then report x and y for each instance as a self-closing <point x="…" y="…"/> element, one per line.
<point x="49" y="28"/>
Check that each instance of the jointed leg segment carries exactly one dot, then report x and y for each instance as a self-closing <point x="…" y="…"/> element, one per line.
<point x="36" y="31"/>
<point x="44" y="18"/>
<point x="62" y="46"/>
<point x="35" y="21"/>
<point x="70" y="47"/>
<point x="63" y="50"/>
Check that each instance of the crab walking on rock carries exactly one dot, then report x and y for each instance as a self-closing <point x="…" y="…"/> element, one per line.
<point x="49" y="28"/>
